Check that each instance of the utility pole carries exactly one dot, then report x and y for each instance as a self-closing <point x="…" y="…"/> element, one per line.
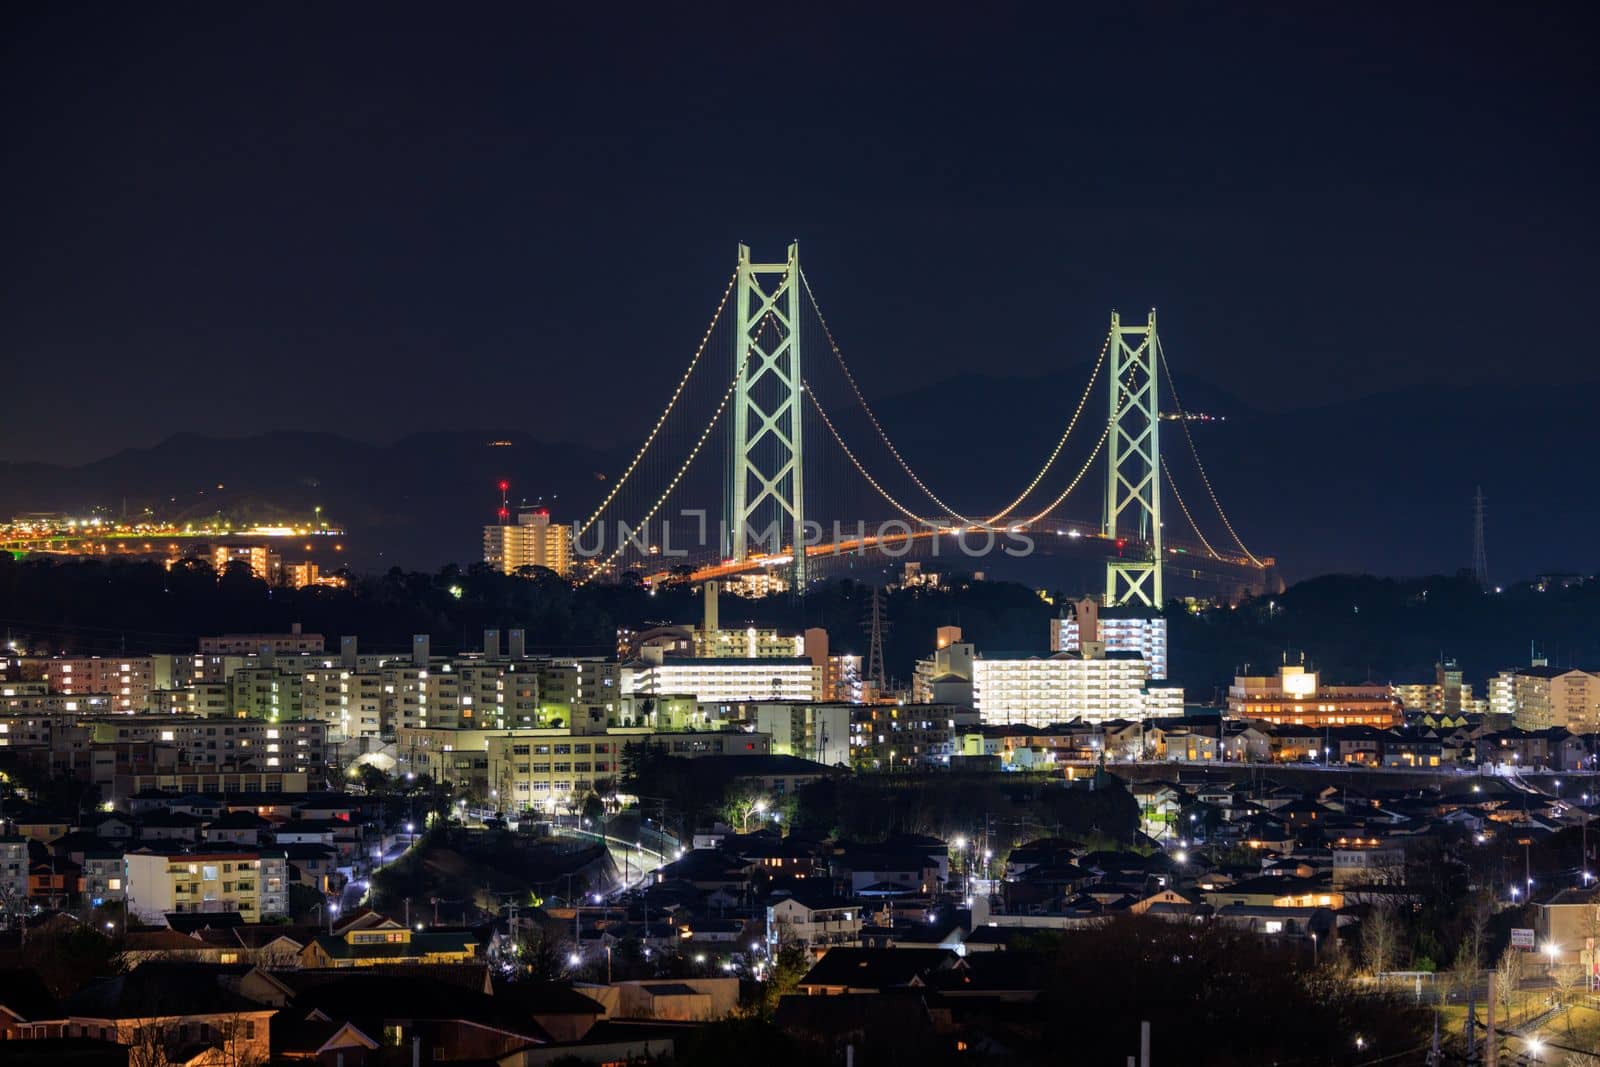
<point x="1491" y="1045"/>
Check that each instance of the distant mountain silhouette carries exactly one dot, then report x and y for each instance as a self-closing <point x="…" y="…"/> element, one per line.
<point x="1381" y="485"/>
<point x="418" y="502"/>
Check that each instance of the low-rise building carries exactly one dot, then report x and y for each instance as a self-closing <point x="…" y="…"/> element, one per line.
<point x="1297" y="696"/>
<point x="253" y="883"/>
<point x="389" y="943"/>
<point x="817" y="920"/>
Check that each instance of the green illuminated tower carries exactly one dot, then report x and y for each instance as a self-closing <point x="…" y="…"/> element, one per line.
<point x="1133" y="452"/>
<point x="765" y="469"/>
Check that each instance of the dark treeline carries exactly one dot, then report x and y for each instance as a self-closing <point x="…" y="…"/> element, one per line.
<point x="90" y="606"/>
<point x="1352" y="628"/>
<point x="1356" y="627"/>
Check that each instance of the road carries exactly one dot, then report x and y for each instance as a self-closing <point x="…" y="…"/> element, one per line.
<point x="634" y="862"/>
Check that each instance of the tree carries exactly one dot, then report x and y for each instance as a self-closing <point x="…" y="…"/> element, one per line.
<point x="1565" y="979"/>
<point x="1380" y="940"/>
<point x="789" y="964"/>
<point x="372" y="779"/>
<point x="541" y="955"/>
<point x="594" y="810"/>
<point x="67" y="959"/>
<point x="1474" y="938"/>
<point x="1508" y="976"/>
<point x="742" y="799"/>
<point x="166" y="1041"/>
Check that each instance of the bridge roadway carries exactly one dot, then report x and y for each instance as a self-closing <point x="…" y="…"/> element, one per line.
<point x="1179" y="553"/>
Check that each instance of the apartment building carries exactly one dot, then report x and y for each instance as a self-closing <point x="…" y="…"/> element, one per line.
<point x="266" y="693"/>
<point x="293" y="642"/>
<point x="350" y="702"/>
<point x="128" y="681"/>
<point x="1040" y="690"/>
<point x="1543" y="697"/>
<point x="35" y="698"/>
<point x="1117" y="629"/>
<point x="297" y="745"/>
<point x="1296" y="696"/>
<point x="532" y="541"/>
<point x="891" y="737"/>
<point x="253" y="883"/>
<point x="13" y="877"/>
<point x="728" y="681"/>
<point x="542" y="767"/>
<point x="819" y="732"/>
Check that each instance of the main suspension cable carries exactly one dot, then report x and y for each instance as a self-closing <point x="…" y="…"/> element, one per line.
<point x="676" y="478"/>
<point x="1123" y="396"/>
<point x="662" y="421"/>
<point x="839" y="440"/>
<point x="867" y="408"/>
<point x="883" y="435"/>
<point x="1161" y="354"/>
<point x="1165" y="469"/>
<point x="1094" y="376"/>
<point x="1087" y="464"/>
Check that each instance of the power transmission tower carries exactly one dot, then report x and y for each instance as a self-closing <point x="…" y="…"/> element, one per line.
<point x="876" y="624"/>
<point x="1133" y="452"/>
<point x="1480" y="556"/>
<point x="766" y="460"/>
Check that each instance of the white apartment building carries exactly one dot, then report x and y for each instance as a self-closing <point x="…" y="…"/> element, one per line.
<point x="1041" y="690"/>
<point x="728" y="680"/>
<point x="1123" y="629"/>
<point x="819" y="732"/>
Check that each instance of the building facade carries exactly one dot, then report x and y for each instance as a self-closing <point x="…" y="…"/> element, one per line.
<point x="532" y="541"/>
<point x="1296" y="696"/>
<point x="254" y="884"/>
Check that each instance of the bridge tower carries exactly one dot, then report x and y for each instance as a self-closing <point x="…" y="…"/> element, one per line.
<point x="1133" y="476"/>
<point x="766" y="450"/>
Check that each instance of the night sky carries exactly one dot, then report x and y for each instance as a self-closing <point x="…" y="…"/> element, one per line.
<point x="376" y="219"/>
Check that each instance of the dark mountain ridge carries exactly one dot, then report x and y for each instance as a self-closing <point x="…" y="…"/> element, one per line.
<point x="1381" y="485"/>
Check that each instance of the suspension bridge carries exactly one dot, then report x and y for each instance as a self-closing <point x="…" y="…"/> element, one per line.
<point x="769" y="426"/>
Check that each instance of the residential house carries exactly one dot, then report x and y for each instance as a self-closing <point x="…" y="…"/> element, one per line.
<point x="813" y="917"/>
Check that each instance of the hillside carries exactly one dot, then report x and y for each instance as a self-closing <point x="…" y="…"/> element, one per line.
<point x="1303" y="485"/>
